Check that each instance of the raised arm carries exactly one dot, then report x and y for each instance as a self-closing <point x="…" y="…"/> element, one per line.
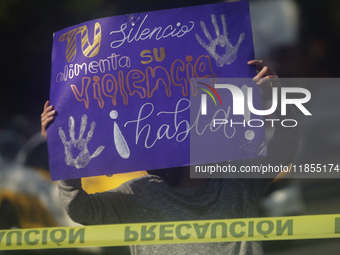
<point x="46" y="117"/>
<point x="85" y="208"/>
<point x="109" y="207"/>
<point x="283" y="146"/>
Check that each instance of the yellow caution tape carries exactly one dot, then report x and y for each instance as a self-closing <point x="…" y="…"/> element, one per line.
<point x="249" y="229"/>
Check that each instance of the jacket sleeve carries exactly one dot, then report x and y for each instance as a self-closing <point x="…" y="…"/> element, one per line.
<point x="284" y="144"/>
<point x="281" y="149"/>
<point x="109" y="207"/>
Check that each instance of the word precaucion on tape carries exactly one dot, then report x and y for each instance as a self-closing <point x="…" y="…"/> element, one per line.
<point x="231" y="230"/>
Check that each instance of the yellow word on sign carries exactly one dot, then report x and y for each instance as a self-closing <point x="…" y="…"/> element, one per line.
<point x="89" y="50"/>
<point x="144" y="54"/>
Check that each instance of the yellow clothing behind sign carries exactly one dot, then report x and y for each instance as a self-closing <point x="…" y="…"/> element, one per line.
<point x="104" y="183"/>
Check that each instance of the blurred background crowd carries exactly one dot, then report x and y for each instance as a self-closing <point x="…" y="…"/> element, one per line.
<point x="297" y="38"/>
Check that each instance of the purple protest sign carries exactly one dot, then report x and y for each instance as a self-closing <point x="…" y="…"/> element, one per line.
<point x="123" y="92"/>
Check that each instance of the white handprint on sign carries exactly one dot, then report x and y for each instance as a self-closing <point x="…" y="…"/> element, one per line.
<point x="83" y="157"/>
<point x="230" y="54"/>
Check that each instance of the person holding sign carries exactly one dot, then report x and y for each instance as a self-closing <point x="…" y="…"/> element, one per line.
<point x="171" y="195"/>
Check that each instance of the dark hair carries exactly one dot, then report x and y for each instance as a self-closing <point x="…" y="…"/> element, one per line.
<point x="170" y="175"/>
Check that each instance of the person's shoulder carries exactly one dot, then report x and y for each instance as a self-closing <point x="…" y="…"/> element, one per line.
<point x="141" y="183"/>
<point x="147" y="179"/>
<point x="240" y="183"/>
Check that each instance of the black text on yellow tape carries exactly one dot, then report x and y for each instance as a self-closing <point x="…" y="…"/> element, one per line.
<point x="249" y="229"/>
